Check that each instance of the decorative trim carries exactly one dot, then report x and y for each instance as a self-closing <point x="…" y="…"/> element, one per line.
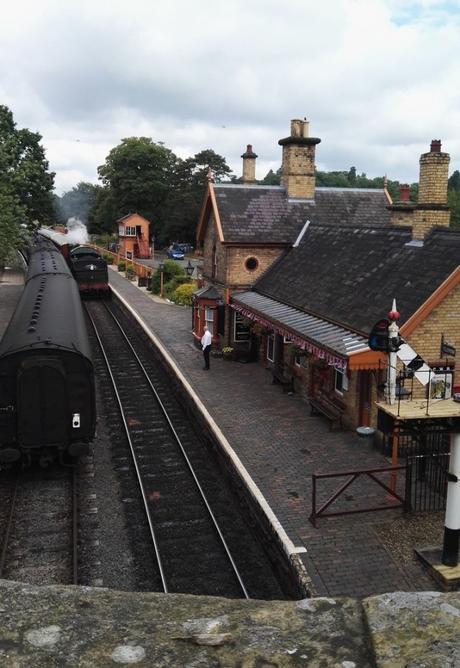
<point x="433" y="300"/>
<point x="303" y="344"/>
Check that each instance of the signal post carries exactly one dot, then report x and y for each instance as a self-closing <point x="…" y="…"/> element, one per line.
<point x="419" y="416"/>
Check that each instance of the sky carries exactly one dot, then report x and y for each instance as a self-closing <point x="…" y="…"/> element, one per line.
<point x="377" y="79"/>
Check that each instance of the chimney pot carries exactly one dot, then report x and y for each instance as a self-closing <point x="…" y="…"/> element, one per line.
<point x="404" y="192"/>
<point x="435" y="146"/>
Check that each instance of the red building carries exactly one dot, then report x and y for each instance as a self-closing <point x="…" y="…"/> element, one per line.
<point x="133" y="236"/>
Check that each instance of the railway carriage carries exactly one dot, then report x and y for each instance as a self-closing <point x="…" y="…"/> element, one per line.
<point x="47" y="395"/>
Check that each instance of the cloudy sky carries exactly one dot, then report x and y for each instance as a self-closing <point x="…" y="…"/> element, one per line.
<point x="377" y="79"/>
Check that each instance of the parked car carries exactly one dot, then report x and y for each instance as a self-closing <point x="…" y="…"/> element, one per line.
<point x="175" y="253"/>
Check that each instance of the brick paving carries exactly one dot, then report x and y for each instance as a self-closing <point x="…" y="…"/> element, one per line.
<point x="281" y="445"/>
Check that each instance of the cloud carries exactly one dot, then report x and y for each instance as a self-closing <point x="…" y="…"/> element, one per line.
<point x="377" y="79"/>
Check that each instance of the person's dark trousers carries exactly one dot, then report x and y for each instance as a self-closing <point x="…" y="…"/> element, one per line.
<point x="206" y="352"/>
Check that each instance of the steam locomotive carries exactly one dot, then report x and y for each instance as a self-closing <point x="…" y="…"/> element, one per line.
<point x="87" y="266"/>
<point x="47" y="393"/>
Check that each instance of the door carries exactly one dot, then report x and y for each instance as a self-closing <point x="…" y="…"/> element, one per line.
<point x="42" y="403"/>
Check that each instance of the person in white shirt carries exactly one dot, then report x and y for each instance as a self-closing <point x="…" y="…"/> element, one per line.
<point x="206" y="340"/>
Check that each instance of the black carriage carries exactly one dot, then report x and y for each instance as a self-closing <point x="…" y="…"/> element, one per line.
<point x="47" y="396"/>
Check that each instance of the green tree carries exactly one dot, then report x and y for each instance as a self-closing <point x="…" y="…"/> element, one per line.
<point x="103" y="215"/>
<point x="271" y="178"/>
<point x="453" y="199"/>
<point x="138" y="172"/>
<point x="78" y="202"/>
<point x="12" y="217"/>
<point x="454" y="181"/>
<point x="182" y="208"/>
<point x="24" y="174"/>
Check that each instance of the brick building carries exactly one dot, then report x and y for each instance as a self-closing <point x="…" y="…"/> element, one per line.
<point x="301" y="274"/>
<point x="133" y="236"/>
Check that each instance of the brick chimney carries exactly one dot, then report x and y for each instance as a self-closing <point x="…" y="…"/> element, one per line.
<point x="298" y="167"/>
<point x="434" y="170"/>
<point x="249" y="165"/>
<point x="432" y="208"/>
<point x="404" y="192"/>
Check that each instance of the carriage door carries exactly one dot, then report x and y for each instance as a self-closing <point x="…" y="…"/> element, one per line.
<point x="42" y="403"/>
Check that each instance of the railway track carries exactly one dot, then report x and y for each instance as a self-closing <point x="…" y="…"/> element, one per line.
<point x="200" y="544"/>
<point x="39" y="526"/>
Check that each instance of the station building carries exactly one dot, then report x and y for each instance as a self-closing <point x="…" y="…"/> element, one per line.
<point x="295" y="276"/>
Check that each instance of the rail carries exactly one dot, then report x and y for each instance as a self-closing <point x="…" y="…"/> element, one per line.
<point x="181" y="447"/>
<point x="404" y="502"/>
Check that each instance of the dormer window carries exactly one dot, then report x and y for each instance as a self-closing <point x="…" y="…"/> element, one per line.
<point x="251" y="263"/>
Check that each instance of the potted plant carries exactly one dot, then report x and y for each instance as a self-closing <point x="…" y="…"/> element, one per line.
<point x="227" y="353"/>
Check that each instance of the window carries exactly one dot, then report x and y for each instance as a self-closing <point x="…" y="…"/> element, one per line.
<point x="130" y="231"/>
<point x="129" y="255"/>
<point x="441" y="382"/>
<point x="340" y="381"/>
<point x="271" y="347"/>
<point x="251" y="263"/>
<point x="209" y="318"/>
<point x="241" y="328"/>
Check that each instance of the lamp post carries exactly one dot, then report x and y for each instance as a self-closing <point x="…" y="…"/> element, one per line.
<point x="189" y="269"/>
<point x="161" y="267"/>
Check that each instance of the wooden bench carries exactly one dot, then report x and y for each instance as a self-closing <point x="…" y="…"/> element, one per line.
<point x="329" y="407"/>
<point x="278" y="378"/>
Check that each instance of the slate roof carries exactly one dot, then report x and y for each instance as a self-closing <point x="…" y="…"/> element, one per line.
<point x="264" y="214"/>
<point x="325" y="335"/>
<point x="350" y="275"/>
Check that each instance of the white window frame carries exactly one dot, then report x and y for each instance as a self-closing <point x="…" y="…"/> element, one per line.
<point x="342" y="386"/>
<point x="209" y="318"/>
<point x="271" y="338"/>
<point x="130" y="231"/>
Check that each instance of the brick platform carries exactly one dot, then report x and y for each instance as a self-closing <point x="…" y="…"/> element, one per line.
<point x="281" y="445"/>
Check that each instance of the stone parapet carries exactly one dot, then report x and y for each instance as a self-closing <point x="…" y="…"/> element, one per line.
<point x="80" y="626"/>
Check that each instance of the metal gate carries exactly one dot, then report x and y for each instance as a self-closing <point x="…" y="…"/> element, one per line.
<point x="427" y="459"/>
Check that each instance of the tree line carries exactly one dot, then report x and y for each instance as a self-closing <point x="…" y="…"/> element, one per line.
<point x="139" y="175"/>
<point x="143" y="176"/>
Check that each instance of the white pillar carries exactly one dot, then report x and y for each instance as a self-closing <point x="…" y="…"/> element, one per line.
<point x="452" y="520"/>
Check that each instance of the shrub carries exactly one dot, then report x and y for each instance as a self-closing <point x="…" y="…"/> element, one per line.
<point x="122" y="265"/>
<point x="183" y="294"/>
<point x="171" y="271"/>
<point x="108" y="258"/>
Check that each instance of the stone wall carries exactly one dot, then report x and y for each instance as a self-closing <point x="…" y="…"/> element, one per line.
<point x="80" y="626"/>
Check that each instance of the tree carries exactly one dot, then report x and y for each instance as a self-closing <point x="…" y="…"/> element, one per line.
<point x="182" y="208"/>
<point x="454" y="181"/>
<point x="13" y="216"/>
<point x="77" y="203"/>
<point x="138" y="173"/>
<point x="102" y="218"/>
<point x="271" y="178"/>
<point x="25" y="179"/>
<point x="453" y="199"/>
